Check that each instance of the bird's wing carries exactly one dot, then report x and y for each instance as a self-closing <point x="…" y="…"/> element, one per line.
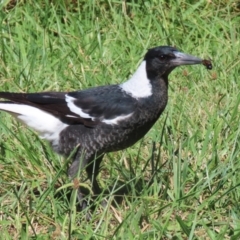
<point x="89" y="107"/>
<point x="102" y="104"/>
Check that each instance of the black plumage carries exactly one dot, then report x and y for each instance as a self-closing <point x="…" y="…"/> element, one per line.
<point x="101" y="119"/>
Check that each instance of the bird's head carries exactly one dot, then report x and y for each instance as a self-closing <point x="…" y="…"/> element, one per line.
<point x="162" y="60"/>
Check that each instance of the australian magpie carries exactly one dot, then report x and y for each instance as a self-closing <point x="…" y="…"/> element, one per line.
<point x="102" y="119"/>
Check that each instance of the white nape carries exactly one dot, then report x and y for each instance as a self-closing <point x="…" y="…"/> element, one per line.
<point x="46" y="124"/>
<point x="138" y="85"/>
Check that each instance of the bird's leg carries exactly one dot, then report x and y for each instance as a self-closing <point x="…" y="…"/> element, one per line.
<point x="93" y="171"/>
<point x="78" y="164"/>
<point x="92" y="165"/>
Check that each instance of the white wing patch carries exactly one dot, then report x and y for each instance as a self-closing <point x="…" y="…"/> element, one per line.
<point x="77" y="110"/>
<point x="46" y="124"/>
<point x="138" y="85"/>
<point x="117" y="119"/>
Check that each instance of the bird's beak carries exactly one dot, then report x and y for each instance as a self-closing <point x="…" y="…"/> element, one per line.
<point x="184" y="59"/>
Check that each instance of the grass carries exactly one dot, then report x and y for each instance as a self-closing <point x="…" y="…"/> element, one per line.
<point x="182" y="178"/>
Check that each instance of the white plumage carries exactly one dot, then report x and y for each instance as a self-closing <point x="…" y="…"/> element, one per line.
<point x="46" y="124"/>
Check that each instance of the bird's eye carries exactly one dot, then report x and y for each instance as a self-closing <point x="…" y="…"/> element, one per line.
<point x="162" y="57"/>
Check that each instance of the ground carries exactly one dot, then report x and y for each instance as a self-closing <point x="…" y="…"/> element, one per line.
<point x="182" y="179"/>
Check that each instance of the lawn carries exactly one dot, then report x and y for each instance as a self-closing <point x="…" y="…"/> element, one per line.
<point x="181" y="181"/>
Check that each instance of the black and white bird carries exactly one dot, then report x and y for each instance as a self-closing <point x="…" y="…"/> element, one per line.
<point x="101" y="119"/>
